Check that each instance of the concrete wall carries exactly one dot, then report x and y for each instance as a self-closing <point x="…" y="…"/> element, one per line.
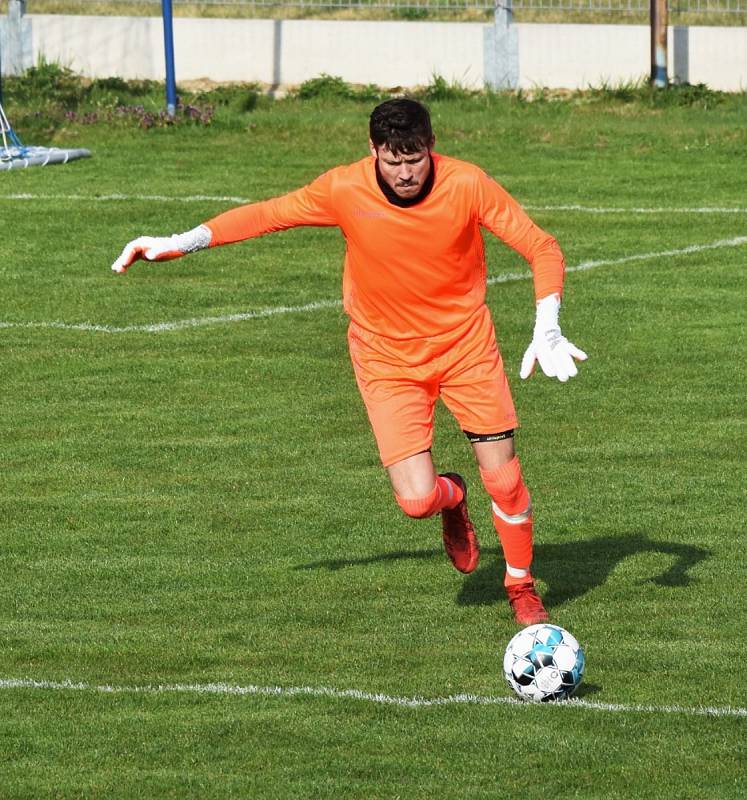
<point x="714" y="56"/>
<point x="579" y="56"/>
<point x="389" y="54"/>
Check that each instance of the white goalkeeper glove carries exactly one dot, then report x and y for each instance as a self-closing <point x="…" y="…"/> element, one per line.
<point x="548" y="346"/>
<point x="163" y="248"/>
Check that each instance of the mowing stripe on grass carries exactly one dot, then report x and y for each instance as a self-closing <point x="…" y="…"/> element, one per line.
<point x="161" y="327"/>
<point x="201" y="198"/>
<point x="369" y="697"/>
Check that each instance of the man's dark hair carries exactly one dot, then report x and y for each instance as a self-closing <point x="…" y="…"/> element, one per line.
<point x="402" y="125"/>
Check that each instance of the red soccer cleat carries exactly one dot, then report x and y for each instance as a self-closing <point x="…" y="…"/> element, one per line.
<point x="526" y="604"/>
<point x="459" y="537"/>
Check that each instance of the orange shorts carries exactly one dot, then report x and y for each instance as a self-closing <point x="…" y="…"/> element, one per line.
<point x="400" y="382"/>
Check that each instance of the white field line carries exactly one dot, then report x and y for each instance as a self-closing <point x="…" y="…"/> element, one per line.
<point x="202" y="198"/>
<point x="737" y="241"/>
<point x="369" y="697"/>
<point x="116" y="197"/>
<point x="640" y="209"/>
<point x="160" y="327"/>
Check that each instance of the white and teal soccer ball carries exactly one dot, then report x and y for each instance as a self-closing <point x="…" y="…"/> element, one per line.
<point x="543" y="663"/>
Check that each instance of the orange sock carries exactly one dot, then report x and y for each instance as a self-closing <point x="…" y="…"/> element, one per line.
<point x="445" y="494"/>
<point x="512" y="517"/>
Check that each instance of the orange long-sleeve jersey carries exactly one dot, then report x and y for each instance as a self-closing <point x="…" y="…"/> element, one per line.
<point x="409" y="272"/>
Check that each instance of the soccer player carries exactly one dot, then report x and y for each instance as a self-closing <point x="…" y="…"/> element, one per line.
<point x="414" y="287"/>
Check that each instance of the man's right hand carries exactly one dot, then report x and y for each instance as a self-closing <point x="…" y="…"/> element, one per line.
<point x="163" y="248"/>
<point x="149" y="248"/>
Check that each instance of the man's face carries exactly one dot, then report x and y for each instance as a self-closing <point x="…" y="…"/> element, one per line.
<point x="404" y="173"/>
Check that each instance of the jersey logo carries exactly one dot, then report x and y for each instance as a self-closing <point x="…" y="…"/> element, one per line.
<point x="368" y="214"/>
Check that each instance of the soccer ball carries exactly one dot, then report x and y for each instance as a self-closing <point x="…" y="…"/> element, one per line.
<point x="543" y="663"/>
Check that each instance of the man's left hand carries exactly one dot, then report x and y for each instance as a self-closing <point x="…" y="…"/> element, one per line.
<point x="548" y="346"/>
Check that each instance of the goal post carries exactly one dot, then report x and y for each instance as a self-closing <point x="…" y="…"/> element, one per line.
<point x="7" y="134"/>
<point x="15" y="155"/>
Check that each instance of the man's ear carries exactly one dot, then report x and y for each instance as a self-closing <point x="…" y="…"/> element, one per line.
<point x="372" y="148"/>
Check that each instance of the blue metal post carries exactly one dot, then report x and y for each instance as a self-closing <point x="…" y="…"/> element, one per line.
<point x="168" y="48"/>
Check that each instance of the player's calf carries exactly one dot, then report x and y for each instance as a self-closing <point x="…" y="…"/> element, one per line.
<point x="512" y="518"/>
<point x="449" y="496"/>
<point x="458" y="532"/>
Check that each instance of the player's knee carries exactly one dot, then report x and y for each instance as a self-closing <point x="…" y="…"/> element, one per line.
<point x="507" y="489"/>
<point x="419" y="507"/>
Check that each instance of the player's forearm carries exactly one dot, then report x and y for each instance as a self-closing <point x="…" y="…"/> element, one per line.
<point x="244" y="222"/>
<point x="544" y="256"/>
<point x="548" y="269"/>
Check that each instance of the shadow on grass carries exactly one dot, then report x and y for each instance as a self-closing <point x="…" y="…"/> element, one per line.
<point x="569" y="570"/>
<point x="586" y="690"/>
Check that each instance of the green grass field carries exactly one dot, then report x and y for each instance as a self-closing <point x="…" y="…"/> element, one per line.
<point x="194" y="514"/>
